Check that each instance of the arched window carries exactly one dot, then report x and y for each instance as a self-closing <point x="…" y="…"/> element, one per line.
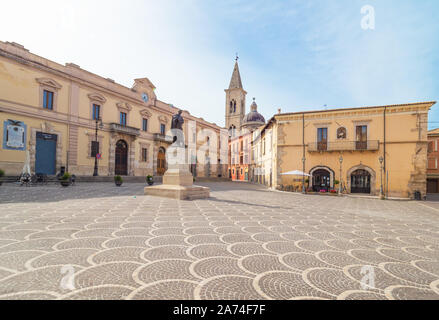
<point x="231" y="106"/>
<point x="234" y="106"/>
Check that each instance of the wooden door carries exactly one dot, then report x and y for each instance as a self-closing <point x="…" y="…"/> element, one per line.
<point x="121" y="167"/>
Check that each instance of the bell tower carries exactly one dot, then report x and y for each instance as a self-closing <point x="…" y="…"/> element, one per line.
<point x="235" y="101"/>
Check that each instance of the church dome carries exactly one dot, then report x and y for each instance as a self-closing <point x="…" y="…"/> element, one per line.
<point x="253" y="118"/>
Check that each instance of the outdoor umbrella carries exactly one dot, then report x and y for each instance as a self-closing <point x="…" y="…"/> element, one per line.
<point x="296" y="173"/>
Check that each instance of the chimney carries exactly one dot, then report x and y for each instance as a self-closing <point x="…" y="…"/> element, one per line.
<point x="279" y="111"/>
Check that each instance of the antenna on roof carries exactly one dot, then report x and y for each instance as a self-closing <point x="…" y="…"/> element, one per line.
<point x="326" y="107"/>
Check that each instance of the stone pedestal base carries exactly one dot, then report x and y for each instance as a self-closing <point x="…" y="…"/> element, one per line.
<point x="178" y="184"/>
<point x="178" y="192"/>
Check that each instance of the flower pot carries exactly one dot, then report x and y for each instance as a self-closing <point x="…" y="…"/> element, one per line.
<point x="65" y="183"/>
<point x="118" y="183"/>
<point x="150" y="182"/>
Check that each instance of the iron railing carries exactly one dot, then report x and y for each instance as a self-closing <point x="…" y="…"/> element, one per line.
<point x="370" y="145"/>
<point x="115" y="127"/>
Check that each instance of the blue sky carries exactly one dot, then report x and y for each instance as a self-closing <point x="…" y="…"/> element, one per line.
<point x="294" y="55"/>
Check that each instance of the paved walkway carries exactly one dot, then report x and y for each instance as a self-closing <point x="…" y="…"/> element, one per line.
<point x="96" y="241"/>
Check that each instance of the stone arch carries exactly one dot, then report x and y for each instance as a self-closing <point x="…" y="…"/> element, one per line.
<point x="331" y="174"/>
<point x="373" y="177"/>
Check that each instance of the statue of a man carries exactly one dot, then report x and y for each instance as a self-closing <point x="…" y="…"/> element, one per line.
<point x="177" y="121"/>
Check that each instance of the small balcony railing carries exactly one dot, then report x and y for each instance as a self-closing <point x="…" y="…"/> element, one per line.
<point x="329" y="146"/>
<point x="116" y="127"/>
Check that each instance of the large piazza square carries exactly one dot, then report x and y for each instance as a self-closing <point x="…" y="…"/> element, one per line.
<point x="244" y="242"/>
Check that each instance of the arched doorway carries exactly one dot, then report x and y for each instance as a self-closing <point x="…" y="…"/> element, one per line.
<point x="161" y="162"/>
<point x="321" y="180"/>
<point x="361" y="181"/>
<point x="121" y="167"/>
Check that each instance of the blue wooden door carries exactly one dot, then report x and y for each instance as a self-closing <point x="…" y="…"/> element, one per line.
<point x="45" y="158"/>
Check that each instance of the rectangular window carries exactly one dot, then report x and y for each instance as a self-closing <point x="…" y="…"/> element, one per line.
<point x="432" y="164"/>
<point x="96" y="112"/>
<point x="162" y="129"/>
<point x="144" y="154"/>
<point x="123" y="119"/>
<point x="430" y="146"/>
<point x="94" y="149"/>
<point x="48" y="100"/>
<point x="322" y="139"/>
<point x="145" y="125"/>
<point x="361" y="143"/>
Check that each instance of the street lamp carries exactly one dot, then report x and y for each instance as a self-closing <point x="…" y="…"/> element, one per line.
<point x="101" y="126"/>
<point x="303" y="175"/>
<point x="341" y="174"/>
<point x="381" y="172"/>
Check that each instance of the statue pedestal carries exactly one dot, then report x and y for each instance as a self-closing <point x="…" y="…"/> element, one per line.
<point x="178" y="184"/>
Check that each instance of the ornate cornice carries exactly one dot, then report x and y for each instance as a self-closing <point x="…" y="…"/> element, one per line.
<point x="163" y="119"/>
<point x="145" y="113"/>
<point x="123" y="106"/>
<point x="49" y="83"/>
<point x="97" y="97"/>
<point x="356" y="112"/>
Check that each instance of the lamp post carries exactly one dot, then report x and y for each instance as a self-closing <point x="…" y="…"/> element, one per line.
<point x="101" y="126"/>
<point x="341" y="175"/>
<point x="303" y="176"/>
<point x="381" y="173"/>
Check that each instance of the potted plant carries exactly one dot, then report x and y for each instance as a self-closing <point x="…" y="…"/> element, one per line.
<point x="150" y="180"/>
<point x="118" y="180"/>
<point x="65" y="179"/>
<point x="2" y="174"/>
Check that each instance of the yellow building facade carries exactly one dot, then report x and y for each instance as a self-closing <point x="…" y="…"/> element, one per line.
<point x="50" y="110"/>
<point x="369" y="150"/>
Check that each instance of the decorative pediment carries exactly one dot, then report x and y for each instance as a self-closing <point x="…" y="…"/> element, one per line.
<point x="163" y="119"/>
<point x="123" y="106"/>
<point x="47" y="127"/>
<point x="97" y="97"/>
<point x="144" y="82"/>
<point x="49" y="83"/>
<point x="145" y="113"/>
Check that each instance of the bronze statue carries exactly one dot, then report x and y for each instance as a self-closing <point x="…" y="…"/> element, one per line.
<point x="177" y="121"/>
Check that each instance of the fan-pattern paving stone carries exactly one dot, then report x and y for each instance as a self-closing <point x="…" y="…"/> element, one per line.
<point x="97" y="241"/>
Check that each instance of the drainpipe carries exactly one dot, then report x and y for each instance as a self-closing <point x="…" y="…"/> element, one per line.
<point x="303" y="159"/>
<point x="385" y="154"/>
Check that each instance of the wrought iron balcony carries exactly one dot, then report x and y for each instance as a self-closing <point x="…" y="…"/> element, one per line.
<point x="163" y="138"/>
<point x="131" y="131"/>
<point x="330" y="146"/>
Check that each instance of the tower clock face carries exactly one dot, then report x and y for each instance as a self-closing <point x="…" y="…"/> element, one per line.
<point x="145" y="97"/>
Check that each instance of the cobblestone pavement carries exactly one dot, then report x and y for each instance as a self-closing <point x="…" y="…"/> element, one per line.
<point x="96" y="241"/>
